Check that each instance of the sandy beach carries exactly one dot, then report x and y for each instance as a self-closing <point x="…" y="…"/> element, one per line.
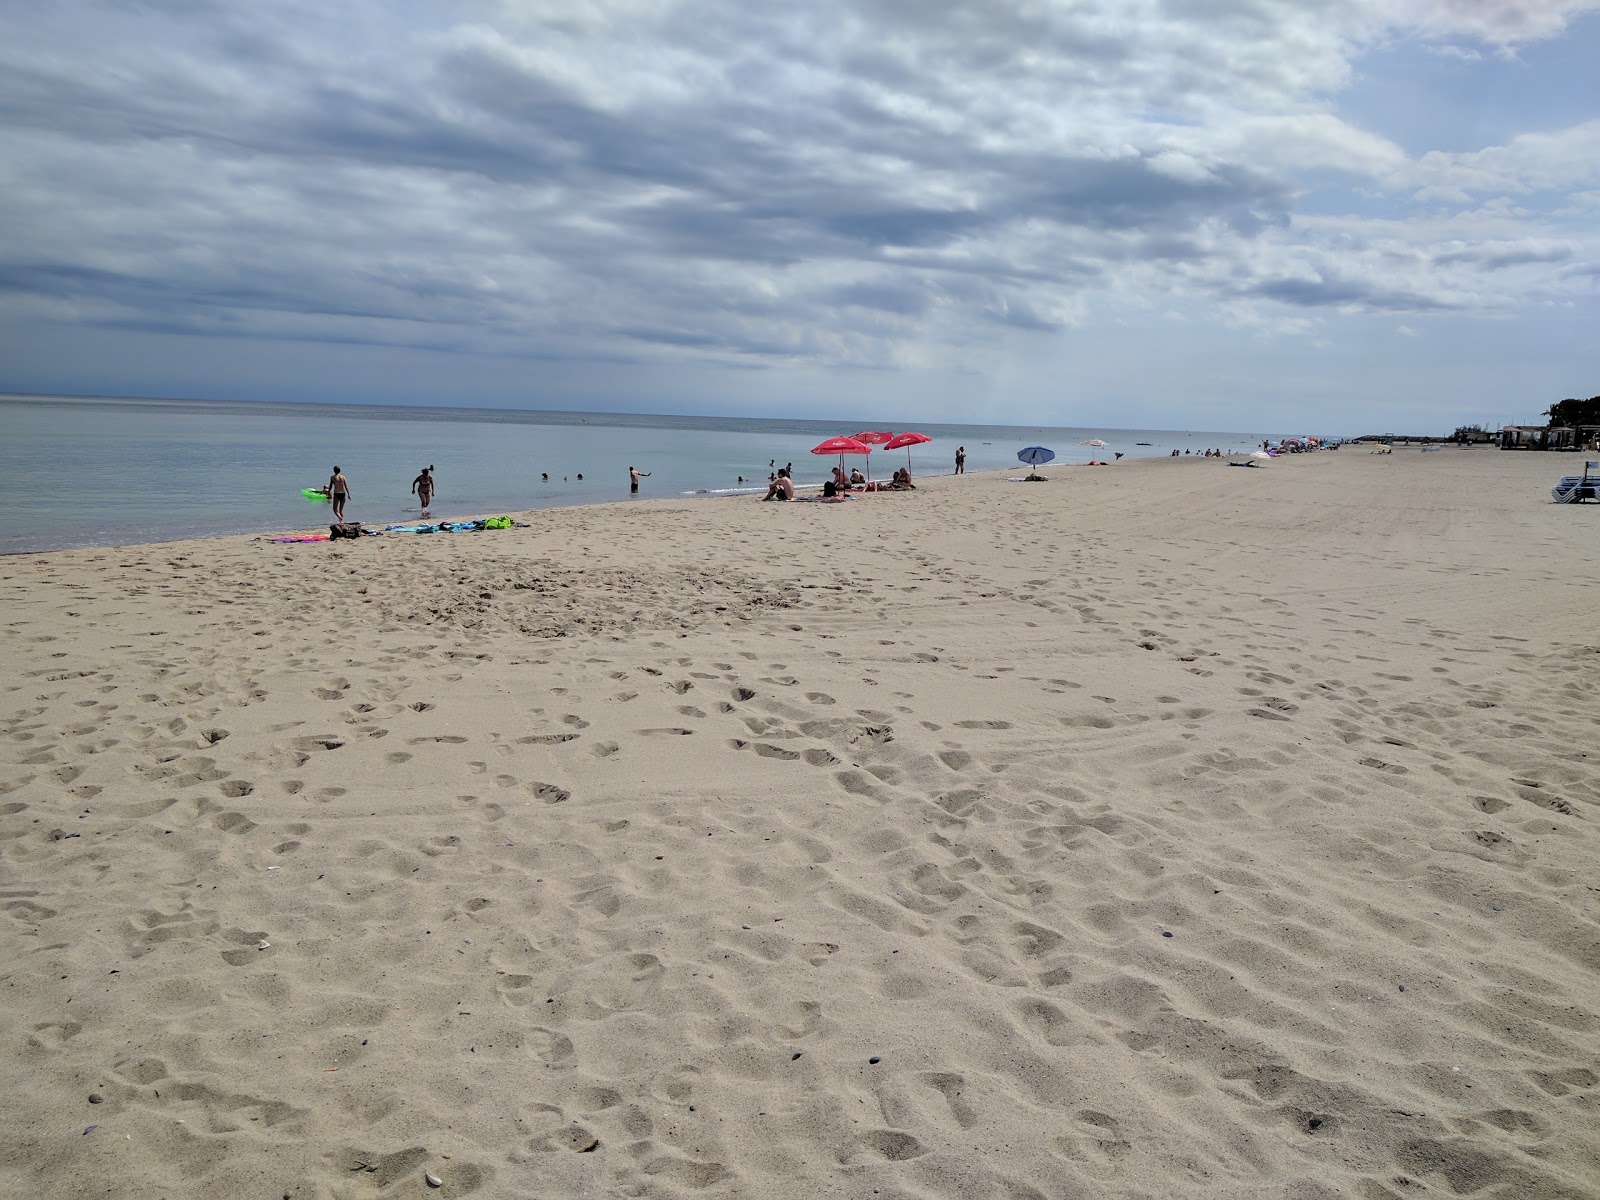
<point x="1163" y="830"/>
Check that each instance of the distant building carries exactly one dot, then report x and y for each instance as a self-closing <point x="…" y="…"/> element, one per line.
<point x="1544" y="437"/>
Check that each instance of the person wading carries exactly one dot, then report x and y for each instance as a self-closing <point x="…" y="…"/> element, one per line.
<point x="422" y="487"/>
<point x="338" y="492"/>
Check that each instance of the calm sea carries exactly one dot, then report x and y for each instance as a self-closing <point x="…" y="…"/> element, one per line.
<point x="100" y="471"/>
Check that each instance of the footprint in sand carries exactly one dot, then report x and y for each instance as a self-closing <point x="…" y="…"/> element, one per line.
<point x="1377" y="764"/>
<point x="232" y="822"/>
<point x="764" y="749"/>
<point x="950" y="1086"/>
<point x="892" y="1144"/>
<point x="313" y="745"/>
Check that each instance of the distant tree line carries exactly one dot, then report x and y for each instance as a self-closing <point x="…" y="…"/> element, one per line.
<point x="1569" y="414"/>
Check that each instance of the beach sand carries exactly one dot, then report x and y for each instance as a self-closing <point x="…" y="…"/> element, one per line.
<point x="1163" y="830"/>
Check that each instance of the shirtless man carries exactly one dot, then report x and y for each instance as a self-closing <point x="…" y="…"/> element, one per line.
<point x="634" y="475"/>
<point x="338" y="492"/>
<point x="422" y="487"/>
<point x="781" y="488"/>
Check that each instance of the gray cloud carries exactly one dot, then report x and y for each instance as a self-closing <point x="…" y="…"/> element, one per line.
<point x="846" y="185"/>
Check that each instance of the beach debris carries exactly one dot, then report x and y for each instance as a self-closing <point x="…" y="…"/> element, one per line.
<point x="96" y="1098"/>
<point x="88" y="1129"/>
<point x="432" y="1180"/>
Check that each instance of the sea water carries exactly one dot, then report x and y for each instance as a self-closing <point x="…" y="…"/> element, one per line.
<point x="91" y="471"/>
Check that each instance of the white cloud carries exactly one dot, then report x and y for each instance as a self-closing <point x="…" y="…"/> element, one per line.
<point x="1540" y="161"/>
<point x="1500" y="22"/>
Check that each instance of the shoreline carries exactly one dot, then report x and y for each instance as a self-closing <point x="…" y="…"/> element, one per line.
<point x="223" y="472"/>
<point x="520" y="514"/>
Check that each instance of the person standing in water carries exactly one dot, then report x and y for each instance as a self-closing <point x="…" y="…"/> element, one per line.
<point x="338" y="492"/>
<point x="961" y="460"/>
<point x="634" y="475"/>
<point x="422" y="487"/>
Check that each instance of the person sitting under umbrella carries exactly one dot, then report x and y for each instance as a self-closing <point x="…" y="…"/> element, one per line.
<point x="857" y="479"/>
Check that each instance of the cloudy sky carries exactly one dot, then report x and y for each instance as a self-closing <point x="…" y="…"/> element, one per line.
<point x="1223" y="214"/>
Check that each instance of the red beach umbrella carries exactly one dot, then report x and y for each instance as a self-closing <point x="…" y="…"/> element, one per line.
<point x="907" y="440"/>
<point x="842" y="446"/>
<point x="874" y="437"/>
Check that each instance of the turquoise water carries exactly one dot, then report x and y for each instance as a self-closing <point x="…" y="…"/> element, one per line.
<point x="107" y="471"/>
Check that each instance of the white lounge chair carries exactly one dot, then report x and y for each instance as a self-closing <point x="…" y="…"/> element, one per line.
<point x="1571" y="489"/>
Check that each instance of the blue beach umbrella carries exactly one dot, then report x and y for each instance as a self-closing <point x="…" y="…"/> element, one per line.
<point x="1035" y="456"/>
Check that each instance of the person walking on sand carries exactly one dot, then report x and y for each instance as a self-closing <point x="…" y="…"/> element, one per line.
<point x="422" y="487"/>
<point x="961" y="460"/>
<point x="338" y="492"/>
<point x="634" y="475"/>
